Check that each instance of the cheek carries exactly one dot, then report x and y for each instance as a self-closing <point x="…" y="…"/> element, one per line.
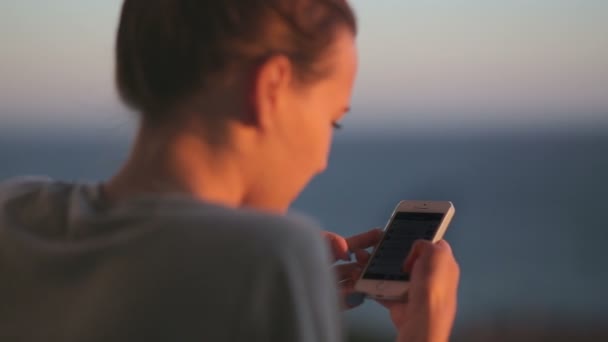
<point x="325" y="148"/>
<point x="317" y="143"/>
<point x="305" y="144"/>
<point x="309" y="136"/>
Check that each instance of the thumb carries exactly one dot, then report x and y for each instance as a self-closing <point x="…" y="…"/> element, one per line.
<point x="418" y="249"/>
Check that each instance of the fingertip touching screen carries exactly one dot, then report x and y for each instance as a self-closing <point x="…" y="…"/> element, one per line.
<point x="403" y="231"/>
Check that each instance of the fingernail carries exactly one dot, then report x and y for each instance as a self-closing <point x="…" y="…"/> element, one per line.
<point x="355" y="299"/>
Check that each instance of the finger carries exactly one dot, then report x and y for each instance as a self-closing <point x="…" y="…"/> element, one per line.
<point x="444" y="245"/>
<point x="357" y="272"/>
<point x="346" y="285"/>
<point x="420" y="247"/>
<point x="446" y="248"/>
<point x="347" y="271"/>
<point x="350" y="297"/>
<point x="362" y="257"/>
<point x="338" y="246"/>
<point x="364" y="240"/>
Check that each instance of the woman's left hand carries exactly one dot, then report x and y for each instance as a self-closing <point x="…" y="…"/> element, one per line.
<point x="348" y="273"/>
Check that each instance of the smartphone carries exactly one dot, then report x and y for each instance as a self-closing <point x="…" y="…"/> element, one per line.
<point x="383" y="277"/>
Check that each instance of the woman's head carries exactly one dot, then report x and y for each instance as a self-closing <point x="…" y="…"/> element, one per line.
<point x="265" y="79"/>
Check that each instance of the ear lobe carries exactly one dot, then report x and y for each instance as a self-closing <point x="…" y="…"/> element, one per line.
<point x="268" y="84"/>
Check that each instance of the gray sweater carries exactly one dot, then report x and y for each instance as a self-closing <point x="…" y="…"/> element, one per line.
<point x="74" y="268"/>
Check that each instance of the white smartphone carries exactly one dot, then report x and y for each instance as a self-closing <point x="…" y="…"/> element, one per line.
<point x="383" y="277"/>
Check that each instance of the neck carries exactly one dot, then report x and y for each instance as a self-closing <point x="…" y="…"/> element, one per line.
<point x="164" y="163"/>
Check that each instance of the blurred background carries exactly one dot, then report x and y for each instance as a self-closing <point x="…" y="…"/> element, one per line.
<point x="498" y="106"/>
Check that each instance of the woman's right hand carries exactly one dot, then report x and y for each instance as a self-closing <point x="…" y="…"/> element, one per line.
<point x="430" y="310"/>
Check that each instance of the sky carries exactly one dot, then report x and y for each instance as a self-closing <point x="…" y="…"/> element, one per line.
<point x="458" y="64"/>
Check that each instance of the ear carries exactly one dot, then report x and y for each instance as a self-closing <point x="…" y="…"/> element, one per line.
<point x="269" y="89"/>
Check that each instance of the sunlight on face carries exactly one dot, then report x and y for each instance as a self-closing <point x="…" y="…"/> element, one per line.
<point x="311" y="115"/>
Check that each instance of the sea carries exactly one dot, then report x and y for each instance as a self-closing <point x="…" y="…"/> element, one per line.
<point x="531" y="225"/>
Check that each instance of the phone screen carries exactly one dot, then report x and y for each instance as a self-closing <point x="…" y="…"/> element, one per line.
<point x="403" y="231"/>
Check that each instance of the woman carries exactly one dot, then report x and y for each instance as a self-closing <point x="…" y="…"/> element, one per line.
<point x="189" y="241"/>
